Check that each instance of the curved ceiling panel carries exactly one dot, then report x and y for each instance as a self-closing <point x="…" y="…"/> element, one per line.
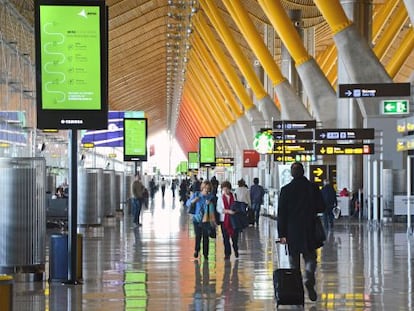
<point x="148" y="61"/>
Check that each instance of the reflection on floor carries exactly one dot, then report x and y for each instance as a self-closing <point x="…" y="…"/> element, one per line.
<point x="152" y="268"/>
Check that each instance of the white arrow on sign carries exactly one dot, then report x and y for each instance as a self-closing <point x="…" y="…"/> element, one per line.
<point x="348" y="93"/>
<point x="389" y="107"/>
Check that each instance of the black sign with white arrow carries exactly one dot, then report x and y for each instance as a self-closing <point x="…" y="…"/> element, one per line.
<point x="344" y="134"/>
<point x="374" y="90"/>
<point x="293" y="135"/>
<point x="294" y="125"/>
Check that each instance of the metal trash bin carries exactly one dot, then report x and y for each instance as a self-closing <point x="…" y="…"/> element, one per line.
<point x="6" y="292"/>
<point x="58" y="258"/>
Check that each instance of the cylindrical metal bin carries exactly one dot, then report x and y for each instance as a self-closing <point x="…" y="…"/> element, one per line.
<point x="23" y="215"/>
<point x="58" y="258"/>
<point x="6" y="292"/>
<point x="90" y="196"/>
<point x="109" y="192"/>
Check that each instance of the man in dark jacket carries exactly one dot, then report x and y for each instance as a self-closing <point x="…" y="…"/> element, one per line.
<point x="299" y="203"/>
<point x="256" y="198"/>
<point x="329" y="197"/>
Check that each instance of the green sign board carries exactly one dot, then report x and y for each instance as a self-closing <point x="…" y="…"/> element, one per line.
<point x="71" y="64"/>
<point x="395" y="107"/>
<point x="192" y="160"/>
<point x="135" y="139"/>
<point x="207" y="151"/>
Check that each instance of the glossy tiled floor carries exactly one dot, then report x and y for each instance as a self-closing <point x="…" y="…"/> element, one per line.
<point x="151" y="268"/>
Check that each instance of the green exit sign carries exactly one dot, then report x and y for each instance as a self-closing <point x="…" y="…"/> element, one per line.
<point x="395" y="107"/>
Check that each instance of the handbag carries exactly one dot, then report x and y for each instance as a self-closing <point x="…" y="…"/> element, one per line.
<point x="239" y="220"/>
<point x="212" y="233"/>
<point x="209" y="225"/>
<point x="320" y="235"/>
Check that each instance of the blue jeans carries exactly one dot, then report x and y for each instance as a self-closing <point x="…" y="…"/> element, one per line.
<point x="256" y="208"/>
<point x="136" y="209"/>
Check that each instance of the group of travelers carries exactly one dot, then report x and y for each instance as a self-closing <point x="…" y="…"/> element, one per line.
<point x="211" y="209"/>
<point x="211" y="205"/>
<point x="141" y="195"/>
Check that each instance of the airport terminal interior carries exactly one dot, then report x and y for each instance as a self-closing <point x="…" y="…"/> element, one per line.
<point x="361" y="267"/>
<point x="95" y="93"/>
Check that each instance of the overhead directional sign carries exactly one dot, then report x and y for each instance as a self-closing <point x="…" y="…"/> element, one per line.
<point x="405" y="125"/>
<point x="344" y="149"/>
<point x="405" y="143"/>
<point x="395" y="107"/>
<point x="374" y="90"/>
<point x="293" y="147"/>
<point x="293" y="157"/>
<point x="294" y="125"/>
<point x="293" y="135"/>
<point x="318" y="174"/>
<point x="224" y="161"/>
<point x="344" y="134"/>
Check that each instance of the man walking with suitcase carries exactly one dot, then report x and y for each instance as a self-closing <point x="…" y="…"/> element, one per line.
<point x="299" y="203"/>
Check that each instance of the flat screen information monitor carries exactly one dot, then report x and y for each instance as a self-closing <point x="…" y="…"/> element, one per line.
<point x="71" y="64"/>
<point x="207" y="151"/>
<point x="135" y="139"/>
<point x="192" y="160"/>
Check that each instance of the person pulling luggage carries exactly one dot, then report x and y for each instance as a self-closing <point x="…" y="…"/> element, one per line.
<point x="299" y="203"/>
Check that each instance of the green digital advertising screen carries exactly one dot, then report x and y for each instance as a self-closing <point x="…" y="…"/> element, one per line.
<point x="207" y="151"/>
<point x="135" y="139"/>
<point x="71" y="64"/>
<point x="193" y="160"/>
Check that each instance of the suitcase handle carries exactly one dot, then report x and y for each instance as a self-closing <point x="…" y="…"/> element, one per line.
<point x="285" y="263"/>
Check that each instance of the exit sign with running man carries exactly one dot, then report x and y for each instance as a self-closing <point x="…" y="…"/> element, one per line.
<point x="395" y="107"/>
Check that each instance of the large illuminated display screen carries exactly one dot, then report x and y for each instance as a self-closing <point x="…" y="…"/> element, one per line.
<point x="135" y="139"/>
<point x="207" y="151"/>
<point x="193" y="160"/>
<point x="71" y="64"/>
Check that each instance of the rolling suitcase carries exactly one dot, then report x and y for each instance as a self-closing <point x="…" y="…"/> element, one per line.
<point x="288" y="285"/>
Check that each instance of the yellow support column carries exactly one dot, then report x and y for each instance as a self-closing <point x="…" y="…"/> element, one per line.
<point x="334" y="14"/>
<point x="286" y="31"/>
<point x="212" y="86"/>
<point x="204" y="55"/>
<point x="231" y="44"/>
<point x="404" y="50"/>
<point x="243" y="21"/>
<point x="223" y="63"/>
<point x="204" y="85"/>
<point x="389" y="34"/>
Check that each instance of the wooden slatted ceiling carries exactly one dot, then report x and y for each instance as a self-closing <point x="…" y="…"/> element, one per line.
<point x="138" y="57"/>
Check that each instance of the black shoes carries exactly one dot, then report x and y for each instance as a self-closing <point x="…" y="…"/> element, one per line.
<point x="227" y="257"/>
<point x="195" y="254"/>
<point x="236" y="253"/>
<point x="311" y="291"/>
